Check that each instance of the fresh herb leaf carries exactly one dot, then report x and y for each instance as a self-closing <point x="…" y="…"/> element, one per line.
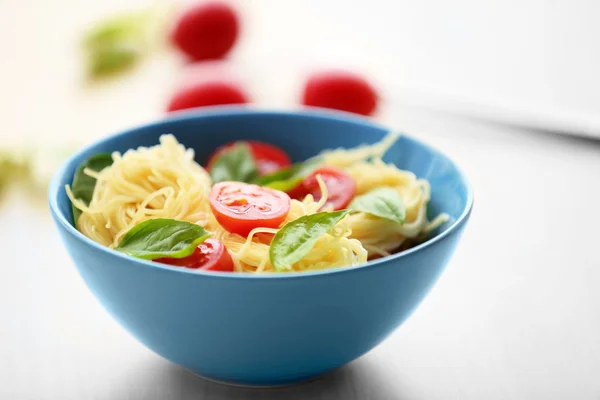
<point x="111" y="59"/>
<point x="157" y="238"/>
<point x="235" y="164"/>
<point x="15" y="166"/>
<point x="288" y="178"/>
<point x="382" y="202"/>
<point x="117" y="43"/>
<point x="292" y="242"/>
<point x="115" y="29"/>
<point x="287" y="185"/>
<point x="83" y="184"/>
<point x="280" y="175"/>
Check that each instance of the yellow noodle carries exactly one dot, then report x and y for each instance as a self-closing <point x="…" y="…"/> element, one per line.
<point x="164" y="181"/>
<point x="345" y="157"/>
<point x="380" y="236"/>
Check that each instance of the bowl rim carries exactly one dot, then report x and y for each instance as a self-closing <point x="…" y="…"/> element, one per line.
<point x="230" y="111"/>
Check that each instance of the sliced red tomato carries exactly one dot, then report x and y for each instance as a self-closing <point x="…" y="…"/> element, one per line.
<point x="211" y="255"/>
<point x="240" y="207"/>
<point x="341" y="188"/>
<point x="206" y="30"/>
<point x="268" y="158"/>
<point x="340" y="90"/>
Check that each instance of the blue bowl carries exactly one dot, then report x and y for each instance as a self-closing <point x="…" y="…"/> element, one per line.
<point x="267" y="329"/>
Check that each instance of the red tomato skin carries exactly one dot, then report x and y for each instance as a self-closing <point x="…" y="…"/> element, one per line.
<point x="211" y="255"/>
<point x="268" y="158"/>
<point x="341" y="187"/>
<point x="204" y="94"/>
<point x="340" y="90"/>
<point x="242" y="221"/>
<point x="206" y="30"/>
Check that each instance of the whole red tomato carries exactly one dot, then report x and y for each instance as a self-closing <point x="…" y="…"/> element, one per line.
<point x="206" y="30"/>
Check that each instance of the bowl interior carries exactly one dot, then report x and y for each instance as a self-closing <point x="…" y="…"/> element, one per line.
<point x="301" y="135"/>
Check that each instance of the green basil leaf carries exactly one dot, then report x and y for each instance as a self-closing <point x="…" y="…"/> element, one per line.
<point x="15" y="165"/>
<point x="112" y="59"/>
<point x="298" y="237"/>
<point x="281" y="175"/>
<point x="116" y="43"/>
<point x="83" y="185"/>
<point x="161" y="237"/>
<point x="235" y="164"/>
<point x="383" y="202"/>
<point x="287" y="185"/>
<point x="115" y="29"/>
<point x="288" y="178"/>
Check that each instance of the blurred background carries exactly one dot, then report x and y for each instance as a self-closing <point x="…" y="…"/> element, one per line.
<point x="530" y="62"/>
<point x="507" y="88"/>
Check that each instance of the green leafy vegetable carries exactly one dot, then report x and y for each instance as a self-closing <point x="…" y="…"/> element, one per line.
<point x="298" y="237"/>
<point x="116" y="43"/>
<point x="290" y="177"/>
<point x="83" y="184"/>
<point x="120" y="41"/>
<point x="14" y="167"/>
<point x="111" y="59"/>
<point x="157" y="238"/>
<point x="235" y="164"/>
<point x="116" y="29"/>
<point x="383" y="202"/>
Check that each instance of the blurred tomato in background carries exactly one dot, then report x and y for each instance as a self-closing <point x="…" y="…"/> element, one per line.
<point x="206" y="30"/>
<point x="208" y="83"/>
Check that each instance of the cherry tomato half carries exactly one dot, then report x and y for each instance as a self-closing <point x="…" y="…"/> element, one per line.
<point x="268" y="158"/>
<point x="211" y="255"/>
<point x="210" y="93"/>
<point x="240" y="207"/>
<point x="341" y="187"/>
<point x="340" y="90"/>
<point x="206" y="31"/>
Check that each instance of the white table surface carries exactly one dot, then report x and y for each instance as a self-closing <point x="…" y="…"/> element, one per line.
<point x="516" y="315"/>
